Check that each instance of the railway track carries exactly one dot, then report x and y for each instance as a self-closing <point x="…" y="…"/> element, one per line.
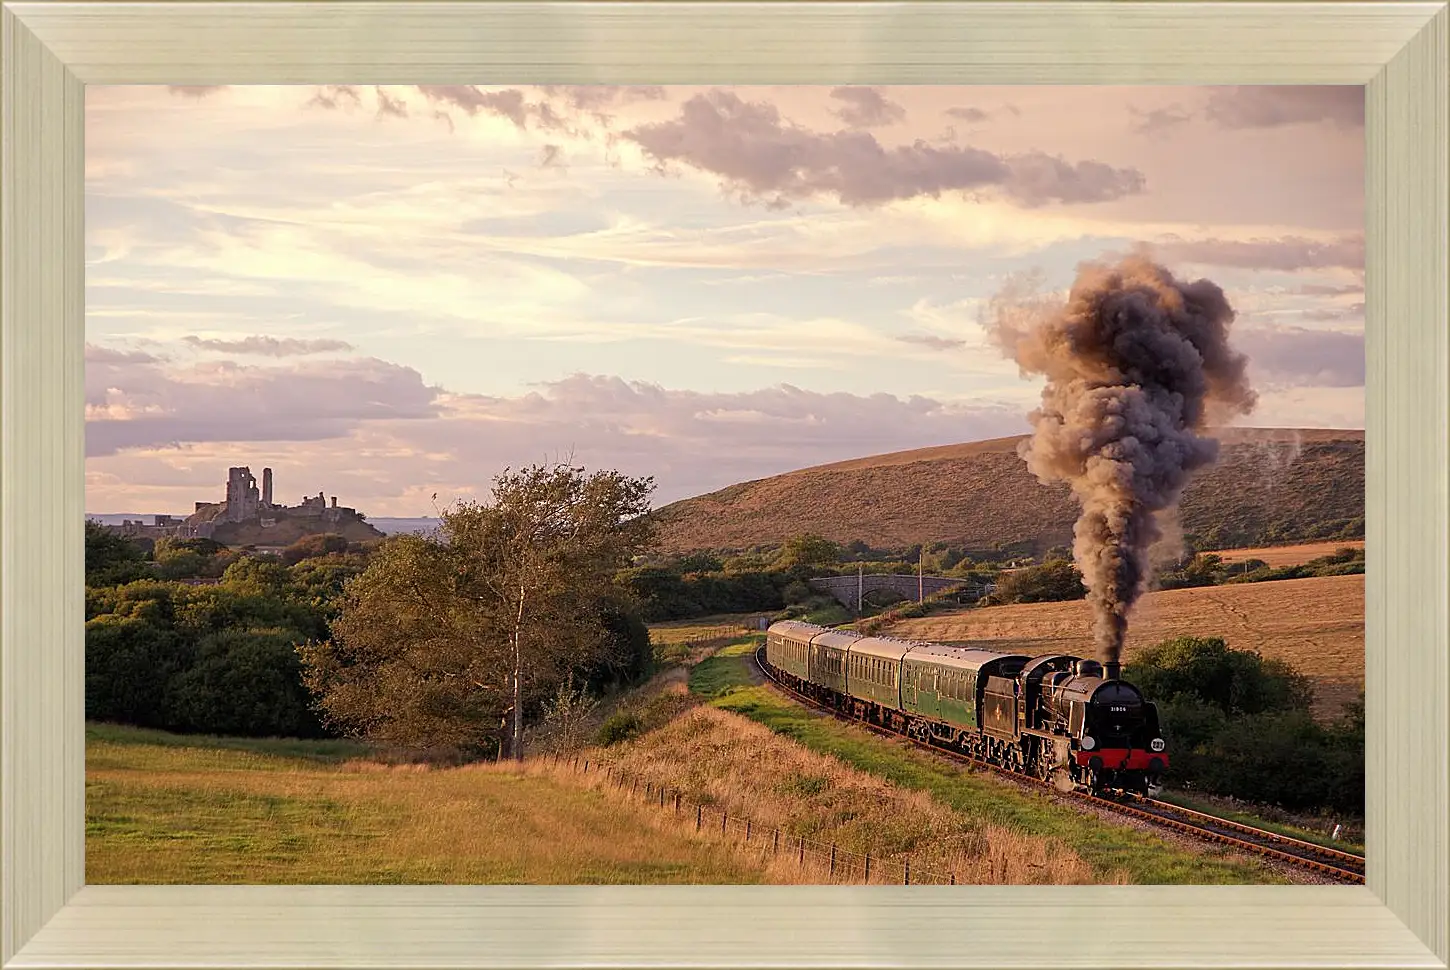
<point x="1341" y="866"/>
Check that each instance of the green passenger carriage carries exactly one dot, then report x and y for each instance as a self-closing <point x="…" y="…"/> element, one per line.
<point x="788" y="647"/>
<point x="947" y="684"/>
<point x="828" y="658"/>
<point x="873" y="670"/>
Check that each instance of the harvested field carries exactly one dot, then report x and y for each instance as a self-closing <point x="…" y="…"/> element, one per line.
<point x="1296" y="555"/>
<point x="1315" y="624"/>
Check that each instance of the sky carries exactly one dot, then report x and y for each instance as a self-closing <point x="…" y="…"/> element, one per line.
<point x="392" y="293"/>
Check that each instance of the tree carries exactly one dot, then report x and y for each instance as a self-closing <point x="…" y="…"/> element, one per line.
<point x="111" y="558"/>
<point x="808" y="549"/>
<point x="444" y="636"/>
<point x="308" y="547"/>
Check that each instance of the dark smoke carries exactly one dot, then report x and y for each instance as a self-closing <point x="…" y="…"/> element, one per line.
<point x="1137" y="364"/>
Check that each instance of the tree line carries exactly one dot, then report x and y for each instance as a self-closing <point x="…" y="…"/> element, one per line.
<point x="451" y="639"/>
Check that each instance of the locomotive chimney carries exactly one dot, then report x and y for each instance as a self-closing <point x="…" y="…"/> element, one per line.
<point x="1111" y="670"/>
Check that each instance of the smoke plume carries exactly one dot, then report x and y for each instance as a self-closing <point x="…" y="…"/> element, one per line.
<point x="1138" y="366"/>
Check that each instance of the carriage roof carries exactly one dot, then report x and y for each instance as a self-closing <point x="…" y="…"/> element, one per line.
<point x="886" y="648"/>
<point x="959" y="658"/>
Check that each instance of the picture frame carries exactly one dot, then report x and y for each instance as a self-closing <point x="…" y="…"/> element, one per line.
<point x="52" y="50"/>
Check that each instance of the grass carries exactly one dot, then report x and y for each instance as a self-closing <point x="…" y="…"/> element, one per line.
<point x="288" y="749"/>
<point x="726" y="681"/>
<point x="1315" y="624"/>
<point x="207" y="811"/>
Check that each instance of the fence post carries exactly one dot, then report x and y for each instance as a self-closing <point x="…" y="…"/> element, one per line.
<point x="662" y="796"/>
<point x="954" y="878"/>
<point x="803" y="852"/>
<point x="833" y="860"/>
<point x="906" y="880"/>
<point x="747" y="830"/>
<point x="775" y="848"/>
<point x="677" y="803"/>
<point x="698" y="811"/>
<point x="868" y="867"/>
<point x="724" y="818"/>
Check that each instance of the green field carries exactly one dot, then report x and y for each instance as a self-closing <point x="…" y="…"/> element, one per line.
<point x="167" y="809"/>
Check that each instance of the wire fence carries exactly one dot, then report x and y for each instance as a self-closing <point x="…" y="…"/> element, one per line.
<point x="824" y="860"/>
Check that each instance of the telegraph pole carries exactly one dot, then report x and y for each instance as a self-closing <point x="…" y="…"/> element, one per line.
<point x="920" y="582"/>
<point x="860" y="582"/>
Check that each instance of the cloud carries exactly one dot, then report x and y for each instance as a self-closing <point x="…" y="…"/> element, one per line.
<point x="969" y="113"/>
<point x="389" y="105"/>
<point x="935" y="343"/>
<point x="1285" y="254"/>
<point x="551" y="156"/>
<point x="134" y="402"/>
<point x="1160" y="120"/>
<point x="596" y="97"/>
<point x="1273" y="106"/>
<point x="1320" y="289"/>
<point x="867" y="108"/>
<point x="693" y="441"/>
<point x="1294" y="356"/>
<point x="332" y="96"/>
<point x="974" y="115"/>
<point x="96" y="355"/>
<point x="379" y="428"/>
<point x="195" y="90"/>
<point x="759" y="156"/>
<point x="269" y="346"/>
<point x="506" y="104"/>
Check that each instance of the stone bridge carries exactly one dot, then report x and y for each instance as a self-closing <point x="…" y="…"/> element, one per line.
<point x="846" y="588"/>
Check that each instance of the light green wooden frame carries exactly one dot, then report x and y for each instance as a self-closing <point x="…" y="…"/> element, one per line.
<point x="52" y="50"/>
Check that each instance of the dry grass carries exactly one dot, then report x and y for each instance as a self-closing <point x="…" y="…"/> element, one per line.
<point x="745" y="769"/>
<point x="1315" y="624"/>
<point x="1297" y="555"/>
<point x="981" y="494"/>
<point x="195" y="816"/>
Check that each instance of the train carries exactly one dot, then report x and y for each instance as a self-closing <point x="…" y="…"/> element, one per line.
<point x="1067" y="720"/>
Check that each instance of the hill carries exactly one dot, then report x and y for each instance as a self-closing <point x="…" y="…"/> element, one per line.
<point x="1270" y="486"/>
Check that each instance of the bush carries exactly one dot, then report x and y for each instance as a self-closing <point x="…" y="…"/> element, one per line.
<point x="1234" y="681"/>
<point x="244" y="682"/>
<point x="618" y="727"/>
<point x="1240" y="725"/>
<point x="1053" y="581"/>
<point x="130" y="661"/>
<point x="310" y="547"/>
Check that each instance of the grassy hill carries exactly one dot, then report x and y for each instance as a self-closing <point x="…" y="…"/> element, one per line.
<point x="1270" y="486"/>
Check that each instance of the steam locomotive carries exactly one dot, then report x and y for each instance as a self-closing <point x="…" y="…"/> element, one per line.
<point x="1061" y="718"/>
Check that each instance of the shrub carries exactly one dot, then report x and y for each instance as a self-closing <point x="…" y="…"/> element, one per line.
<point x="244" y="682"/>
<point x="618" y="727"/>
<point x="1234" y="681"/>
<point x="1054" y="580"/>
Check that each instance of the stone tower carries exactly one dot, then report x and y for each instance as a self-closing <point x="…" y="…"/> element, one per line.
<point x="266" y="488"/>
<point x="242" y="497"/>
